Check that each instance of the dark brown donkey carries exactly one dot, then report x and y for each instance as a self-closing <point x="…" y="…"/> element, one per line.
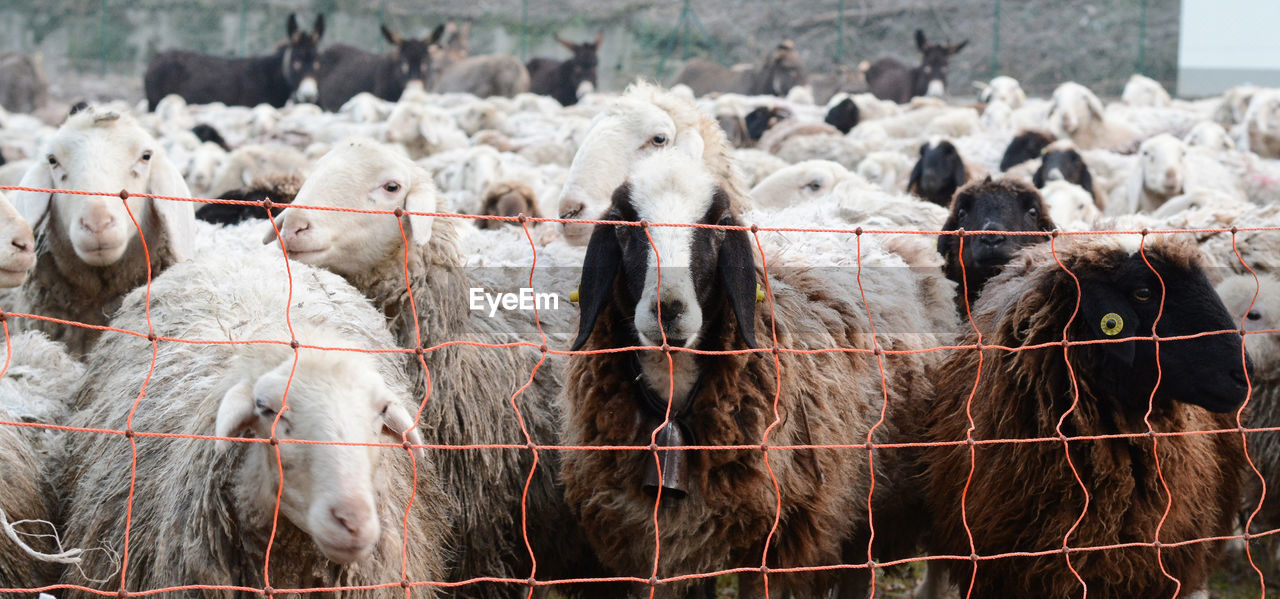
<point x="891" y="79"/>
<point x="271" y="79"/>
<point x="346" y="70"/>
<point x="561" y="79"/>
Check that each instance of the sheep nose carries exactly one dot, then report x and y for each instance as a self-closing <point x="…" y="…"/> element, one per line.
<point x="352" y="515"/>
<point x="97" y="223"/>
<point x="24" y="243"/>
<point x="571" y="209"/>
<point x="671" y="310"/>
<point x="991" y="240"/>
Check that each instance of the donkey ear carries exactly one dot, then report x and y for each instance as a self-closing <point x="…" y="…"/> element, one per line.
<point x="390" y="36"/>
<point x="318" y="29"/>
<point x="958" y="47"/>
<point x="292" y="25"/>
<point x="177" y="220"/>
<point x="563" y="42"/>
<point x="1106" y="314"/>
<point x="736" y="271"/>
<point x="920" y="41"/>
<point x="34" y="205"/>
<point x="436" y="34"/>
<point x="599" y="39"/>
<point x="599" y="269"/>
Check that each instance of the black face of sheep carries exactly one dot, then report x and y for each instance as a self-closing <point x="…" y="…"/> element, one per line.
<point x="1067" y="165"/>
<point x="206" y="133"/>
<point x="843" y="116"/>
<point x="931" y="76"/>
<point x="938" y="173"/>
<point x="412" y="58"/>
<point x="1025" y="146"/>
<point x="721" y="269"/>
<point x="1125" y="301"/>
<point x="989" y="205"/>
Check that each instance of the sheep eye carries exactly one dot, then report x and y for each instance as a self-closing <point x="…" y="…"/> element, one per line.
<point x="960" y="214"/>
<point x="1033" y="212"/>
<point x="814" y="185"/>
<point x="391" y="187"/>
<point x="1254" y="315"/>
<point x="1142" y="294"/>
<point x="146" y="156"/>
<point x="263" y="408"/>
<point x="659" y="140"/>
<point x="52" y="160"/>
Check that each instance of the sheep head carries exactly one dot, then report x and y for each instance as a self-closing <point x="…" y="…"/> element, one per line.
<point x="623" y="133"/>
<point x="674" y="280"/>
<point x="1073" y="109"/>
<point x="990" y="205"/>
<point x="105" y="152"/>
<point x="17" y="245"/>
<point x="358" y="174"/>
<point x="1255" y="306"/>
<point x="1161" y="160"/>
<point x="330" y="491"/>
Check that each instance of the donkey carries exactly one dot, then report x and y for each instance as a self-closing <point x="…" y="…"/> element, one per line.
<point x="781" y="70"/>
<point x="346" y="70"/>
<point x="562" y="79"/>
<point x="891" y="79"/>
<point x="273" y="79"/>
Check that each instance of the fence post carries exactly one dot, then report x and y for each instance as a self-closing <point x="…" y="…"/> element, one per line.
<point x="995" y="41"/>
<point x="244" y="14"/>
<point x="1142" y="40"/>
<point x="840" y="33"/>
<point x="524" y="30"/>
<point x="684" y="22"/>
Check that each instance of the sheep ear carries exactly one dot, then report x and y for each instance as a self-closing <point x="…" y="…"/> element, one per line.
<point x="1037" y="179"/>
<point x="736" y="270"/>
<point x="913" y="183"/>
<point x="271" y="234"/>
<point x="1107" y="315"/>
<point x="34" y="205"/>
<point x="177" y="220"/>
<point x="960" y="175"/>
<point x="947" y="242"/>
<point x="421" y="198"/>
<point x="1095" y="105"/>
<point x="920" y="41"/>
<point x="599" y="268"/>
<point x="1086" y="180"/>
<point x="399" y="422"/>
<point x="390" y="36"/>
<point x="235" y="414"/>
<point x="690" y="142"/>
<point x="291" y="26"/>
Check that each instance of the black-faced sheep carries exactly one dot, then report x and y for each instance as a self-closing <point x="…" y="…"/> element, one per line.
<point x="203" y="510"/>
<point x="1025" y="146"/>
<point x="707" y="301"/>
<point x="843" y="116"/>
<point x="88" y="251"/>
<point x="988" y="205"/>
<point x="1025" y="497"/>
<point x="279" y="189"/>
<point x="938" y="173"/>
<point x="1063" y="163"/>
<point x="472" y="388"/>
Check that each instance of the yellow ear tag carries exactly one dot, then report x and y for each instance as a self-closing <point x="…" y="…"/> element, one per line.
<point x="1112" y="324"/>
<point x="759" y="293"/>
<point x="573" y="295"/>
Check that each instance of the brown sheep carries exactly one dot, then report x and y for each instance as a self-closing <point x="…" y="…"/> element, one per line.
<point x="508" y="198"/>
<point x="1024" y="497"/>
<point x="23" y="496"/>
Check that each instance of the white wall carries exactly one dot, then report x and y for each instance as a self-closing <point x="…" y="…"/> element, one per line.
<point x="1227" y="42"/>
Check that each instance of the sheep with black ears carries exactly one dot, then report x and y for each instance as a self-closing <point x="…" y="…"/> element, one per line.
<point x="1025" y="497"/>
<point x="938" y="173"/>
<point x="88" y="251"/>
<point x="707" y="302"/>
<point x="472" y="389"/>
<point x="1026" y="145"/>
<point x="988" y="205"/>
<point x="645" y="118"/>
<point x="203" y="510"/>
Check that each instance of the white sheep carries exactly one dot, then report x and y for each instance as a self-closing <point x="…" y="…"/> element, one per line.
<point x="1145" y="91"/>
<point x="249" y="162"/>
<point x="1071" y="208"/>
<point x="889" y="170"/>
<point x="472" y="389"/>
<point x="89" y="252"/>
<point x="19" y="253"/>
<point x="1003" y="89"/>
<point x="1159" y="175"/>
<point x="203" y="509"/>
<point x="423" y="129"/>
<point x="1077" y="113"/>
<point x="1262" y="124"/>
<point x="1209" y="135"/>
<point x="801" y="182"/>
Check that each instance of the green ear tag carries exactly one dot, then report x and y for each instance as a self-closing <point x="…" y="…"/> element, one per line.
<point x="1112" y="324"/>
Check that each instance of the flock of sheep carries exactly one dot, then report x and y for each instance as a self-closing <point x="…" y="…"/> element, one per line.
<point x="755" y="329"/>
